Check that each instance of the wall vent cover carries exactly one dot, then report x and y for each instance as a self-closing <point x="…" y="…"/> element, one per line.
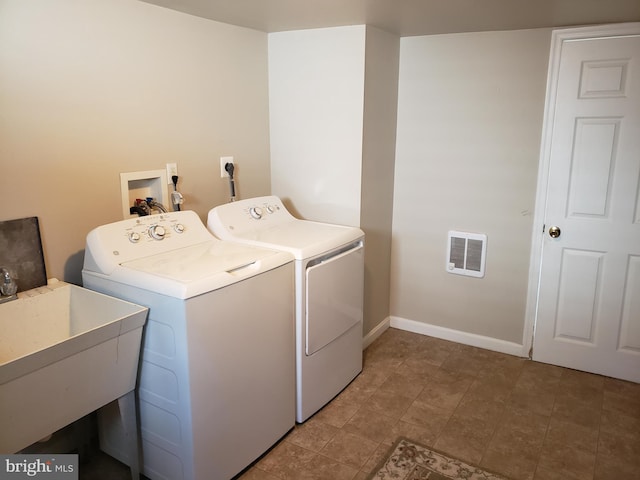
<point x="466" y="253"/>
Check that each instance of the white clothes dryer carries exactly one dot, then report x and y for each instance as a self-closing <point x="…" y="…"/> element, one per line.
<point x="217" y="377"/>
<point x="329" y="291"/>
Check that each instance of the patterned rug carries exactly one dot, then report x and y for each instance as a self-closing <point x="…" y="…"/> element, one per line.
<point x="410" y="461"/>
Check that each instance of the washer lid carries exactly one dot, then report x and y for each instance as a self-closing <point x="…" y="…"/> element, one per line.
<point x="198" y="269"/>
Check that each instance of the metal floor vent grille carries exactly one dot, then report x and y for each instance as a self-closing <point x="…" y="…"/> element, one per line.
<point x="466" y="253"/>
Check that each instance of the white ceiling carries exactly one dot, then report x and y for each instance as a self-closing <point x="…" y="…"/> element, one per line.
<point x="409" y="17"/>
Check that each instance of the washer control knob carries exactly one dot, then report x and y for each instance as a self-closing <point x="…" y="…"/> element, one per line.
<point x="179" y="228"/>
<point x="271" y="208"/>
<point x="157" y="232"/>
<point x="134" y="237"/>
<point x="256" y="212"/>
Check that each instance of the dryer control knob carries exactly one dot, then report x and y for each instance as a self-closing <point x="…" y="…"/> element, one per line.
<point x="256" y="212"/>
<point x="157" y="232"/>
<point x="134" y="237"/>
<point x="179" y="228"/>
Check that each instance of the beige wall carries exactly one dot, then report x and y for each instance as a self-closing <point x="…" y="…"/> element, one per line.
<point x="333" y="97"/>
<point x="469" y="123"/>
<point x="378" y="156"/>
<point x="316" y="93"/>
<point x="94" y="88"/>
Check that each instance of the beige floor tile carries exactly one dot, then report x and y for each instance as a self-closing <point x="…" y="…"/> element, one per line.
<point x="621" y="387"/>
<point x="398" y="347"/>
<point x="543" y="370"/>
<point x="361" y="476"/>
<point x="519" y="418"/>
<point x="369" y="424"/>
<point x="465" y="438"/>
<point x="487" y="389"/>
<point x="509" y="463"/>
<point x="570" y="433"/>
<point x="286" y="461"/>
<point x="475" y="362"/>
<point x="503" y="378"/>
<point x="622" y="402"/>
<point x="363" y="386"/>
<point x="323" y="468"/>
<point x="546" y="474"/>
<point x="382" y="361"/>
<point x="525" y="421"/>
<point x="463" y="362"/>
<point x="481" y="408"/>
<point x="572" y="410"/>
<point x="378" y="455"/>
<point x="621" y="446"/>
<point x="445" y="390"/>
<point x="571" y="462"/>
<point x="499" y="359"/>
<point x="337" y="413"/>
<point x="407" y="385"/>
<point x="517" y="442"/>
<point x="417" y="433"/>
<point x="435" y="351"/>
<point x="531" y="400"/>
<point x="613" y="469"/>
<point x="420" y="376"/>
<point x="349" y="449"/>
<point x="516" y="445"/>
<point x="388" y="403"/>
<point x="578" y="380"/>
<point x="533" y="385"/>
<point x="430" y="418"/>
<point x="419" y="365"/>
<point x="538" y="380"/>
<point x="586" y="396"/>
<point x="312" y="435"/>
<point x="614" y="421"/>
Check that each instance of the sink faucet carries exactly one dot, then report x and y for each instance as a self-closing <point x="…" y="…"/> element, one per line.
<point x="8" y="287"/>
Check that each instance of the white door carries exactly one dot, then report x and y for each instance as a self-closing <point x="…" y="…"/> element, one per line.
<point x="588" y="311"/>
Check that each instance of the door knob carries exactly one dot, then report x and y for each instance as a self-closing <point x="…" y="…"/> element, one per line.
<point x="554" y="232"/>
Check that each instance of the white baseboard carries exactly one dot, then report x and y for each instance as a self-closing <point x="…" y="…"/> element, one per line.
<point x="375" y="332"/>
<point x="458" y="336"/>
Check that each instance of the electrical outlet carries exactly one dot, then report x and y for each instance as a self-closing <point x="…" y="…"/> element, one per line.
<point x="223" y="162"/>
<point x="172" y="169"/>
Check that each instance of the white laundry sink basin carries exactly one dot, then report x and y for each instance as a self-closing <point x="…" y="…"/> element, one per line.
<point x="65" y="351"/>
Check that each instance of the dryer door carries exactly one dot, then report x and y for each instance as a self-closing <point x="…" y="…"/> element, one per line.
<point x="334" y="294"/>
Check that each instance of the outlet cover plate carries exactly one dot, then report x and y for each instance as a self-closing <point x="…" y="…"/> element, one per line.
<point x="223" y="162"/>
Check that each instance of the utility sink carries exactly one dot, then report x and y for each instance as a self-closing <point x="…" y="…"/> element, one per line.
<point x="65" y="351"/>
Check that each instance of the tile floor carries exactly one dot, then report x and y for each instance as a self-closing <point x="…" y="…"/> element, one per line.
<point x="523" y="419"/>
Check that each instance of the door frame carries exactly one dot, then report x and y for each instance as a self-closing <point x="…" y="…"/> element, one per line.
<point x="558" y="37"/>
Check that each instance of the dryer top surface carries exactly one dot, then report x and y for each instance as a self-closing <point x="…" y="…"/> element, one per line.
<point x="265" y="222"/>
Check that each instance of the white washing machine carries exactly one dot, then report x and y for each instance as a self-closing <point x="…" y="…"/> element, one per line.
<point x="217" y="368"/>
<point x="329" y="279"/>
